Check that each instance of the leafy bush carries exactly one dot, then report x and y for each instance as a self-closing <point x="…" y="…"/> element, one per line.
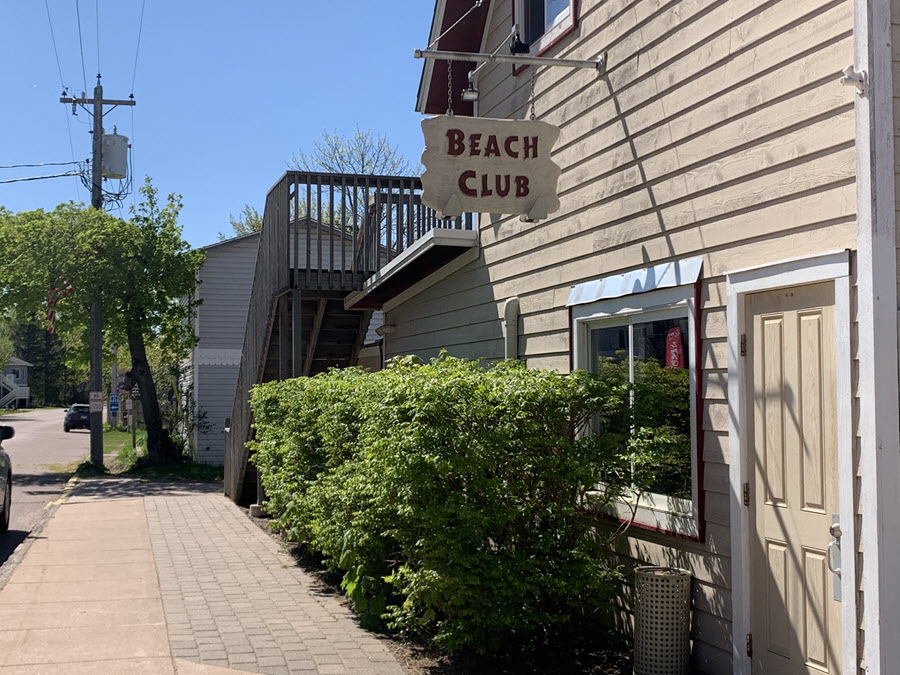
<point x="453" y="496"/>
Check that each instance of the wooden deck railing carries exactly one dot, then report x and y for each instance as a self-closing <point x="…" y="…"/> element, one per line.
<point x="321" y="232"/>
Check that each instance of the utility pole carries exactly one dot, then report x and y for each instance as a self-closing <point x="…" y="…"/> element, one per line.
<point x="96" y="328"/>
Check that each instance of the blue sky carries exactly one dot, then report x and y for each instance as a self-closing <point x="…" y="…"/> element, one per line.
<point x="226" y="92"/>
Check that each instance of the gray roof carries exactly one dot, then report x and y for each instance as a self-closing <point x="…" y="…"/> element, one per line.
<point x="18" y="363"/>
<point x="231" y="240"/>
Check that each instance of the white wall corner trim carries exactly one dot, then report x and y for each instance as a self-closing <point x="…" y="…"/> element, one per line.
<point x="877" y="307"/>
<point x="833" y="266"/>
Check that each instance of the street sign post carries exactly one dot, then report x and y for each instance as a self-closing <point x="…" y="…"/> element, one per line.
<point x="114" y="404"/>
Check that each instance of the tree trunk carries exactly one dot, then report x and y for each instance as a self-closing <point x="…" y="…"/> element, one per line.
<point x="160" y="448"/>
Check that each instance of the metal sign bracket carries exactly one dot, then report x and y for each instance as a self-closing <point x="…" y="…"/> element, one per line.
<point x="598" y="64"/>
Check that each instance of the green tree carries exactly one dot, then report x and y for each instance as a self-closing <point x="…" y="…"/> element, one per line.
<point x="141" y="271"/>
<point x="6" y="344"/>
<point x="53" y="381"/>
<point x="247" y="222"/>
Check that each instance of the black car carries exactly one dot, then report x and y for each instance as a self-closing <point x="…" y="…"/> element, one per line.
<point x="77" y="417"/>
<point x="5" y="479"/>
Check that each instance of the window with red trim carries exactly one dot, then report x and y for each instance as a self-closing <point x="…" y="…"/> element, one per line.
<point x="542" y="22"/>
<point x="649" y="340"/>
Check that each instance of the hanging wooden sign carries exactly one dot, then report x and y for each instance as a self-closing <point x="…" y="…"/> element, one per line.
<point x="480" y="165"/>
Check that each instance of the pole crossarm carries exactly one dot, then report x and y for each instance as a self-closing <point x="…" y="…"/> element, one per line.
<point x="520" y="59"/>
<point x="84" y="101"/>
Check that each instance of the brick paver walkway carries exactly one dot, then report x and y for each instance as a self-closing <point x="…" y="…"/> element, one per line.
<point x="232" y="598"/>
<point x="132" y="578"/>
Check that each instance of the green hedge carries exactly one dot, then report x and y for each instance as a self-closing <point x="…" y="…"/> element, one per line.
<point x="452" y="495"/>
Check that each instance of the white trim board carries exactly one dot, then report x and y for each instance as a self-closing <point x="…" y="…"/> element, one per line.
<point x="877" y="306"/>
<point x="834" y="267"/>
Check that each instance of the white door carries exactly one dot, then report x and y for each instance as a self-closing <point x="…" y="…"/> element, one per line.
<point x="792" y="450"/>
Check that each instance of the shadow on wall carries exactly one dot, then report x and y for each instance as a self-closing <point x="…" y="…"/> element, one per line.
<point x="460" y="313"/>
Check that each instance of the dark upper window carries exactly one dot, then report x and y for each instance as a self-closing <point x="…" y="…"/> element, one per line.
<point x="543" y="20"/>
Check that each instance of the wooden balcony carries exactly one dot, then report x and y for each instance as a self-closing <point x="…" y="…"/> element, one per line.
<point x="324" y="237"/>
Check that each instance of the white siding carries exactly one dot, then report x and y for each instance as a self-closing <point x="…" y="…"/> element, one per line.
<point x="215" y="397"/>
<point x="225" y="282"/>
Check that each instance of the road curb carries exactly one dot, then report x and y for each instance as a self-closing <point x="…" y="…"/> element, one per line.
<point x="9" y="566"/>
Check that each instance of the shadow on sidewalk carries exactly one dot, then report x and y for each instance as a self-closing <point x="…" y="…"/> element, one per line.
<point x="125" y="488"/>
<point x="9" y="540"/>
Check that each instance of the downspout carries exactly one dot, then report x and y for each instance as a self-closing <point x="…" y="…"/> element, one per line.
<point x="877" y="315"/>
<point x="511" y="329"/>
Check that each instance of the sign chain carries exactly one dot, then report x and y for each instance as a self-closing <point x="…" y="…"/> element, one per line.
<point x="449" y="87"/>
<point x="534" y="68"/>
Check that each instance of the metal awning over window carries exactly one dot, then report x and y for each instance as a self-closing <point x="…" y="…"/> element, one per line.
<point x="665" y="275"/>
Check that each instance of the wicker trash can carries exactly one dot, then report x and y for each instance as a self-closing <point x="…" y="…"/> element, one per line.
<point x="662" y="621"/>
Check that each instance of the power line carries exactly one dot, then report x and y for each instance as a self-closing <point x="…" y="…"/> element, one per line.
<point x="63" y="85"/>
<point x="57" y="175"/>
<point x="71" y="148"/>
<point x="53" y="38"/>
<point x="97" y="13"/>
<point x="138" y="49"/>
<point x="81" y="45"/>
<point x="28" y="166"/>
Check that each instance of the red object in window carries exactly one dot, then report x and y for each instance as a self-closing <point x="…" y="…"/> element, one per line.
<point x="674" y="348"/>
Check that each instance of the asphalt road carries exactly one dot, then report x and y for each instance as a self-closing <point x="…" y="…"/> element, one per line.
<point x="39" y="452"/>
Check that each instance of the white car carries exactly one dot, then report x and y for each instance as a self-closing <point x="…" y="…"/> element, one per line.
<point x="5" y="478"/>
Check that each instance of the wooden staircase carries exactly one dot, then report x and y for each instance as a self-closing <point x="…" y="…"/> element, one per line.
<point x="331" y="337"/>
<point x="323" y="236"/>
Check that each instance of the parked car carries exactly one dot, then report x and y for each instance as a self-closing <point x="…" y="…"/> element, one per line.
<point x="6" y="474"/>
<point x="77" y="417"/>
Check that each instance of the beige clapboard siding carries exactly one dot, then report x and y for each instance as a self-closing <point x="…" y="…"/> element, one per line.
<point x="714" y="385"/>
<point x="680" y="146"/>
<point x="720" y="56"/>
<point x="823" y="220"/>
<point x="558" y="362"/>
<point x="672" y="201"/>
<point x="715" y="446"/>
<point x="657" y="550"/>
<point x="709" y="659"/>
<point x="719" y="130"/>
<point x="472" y="332"/>
<point x="542" y="308"/>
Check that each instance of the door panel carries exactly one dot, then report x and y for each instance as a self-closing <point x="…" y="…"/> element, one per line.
<point x="792" y="450"/>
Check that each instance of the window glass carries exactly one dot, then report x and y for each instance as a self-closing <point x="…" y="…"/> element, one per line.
<point x="553" y="9"/>
<point x="539" y="16"/>
<point x="654" y="357"/>
<point x="662" y="400"/>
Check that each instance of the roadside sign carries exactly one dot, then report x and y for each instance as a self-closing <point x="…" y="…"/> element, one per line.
<point x="95" y="399"/>
<point x="113" y="403"/>
<point x="128" y="405"/>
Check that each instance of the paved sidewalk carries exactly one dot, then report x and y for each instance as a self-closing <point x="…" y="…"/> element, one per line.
<point x="133" y="577"/>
